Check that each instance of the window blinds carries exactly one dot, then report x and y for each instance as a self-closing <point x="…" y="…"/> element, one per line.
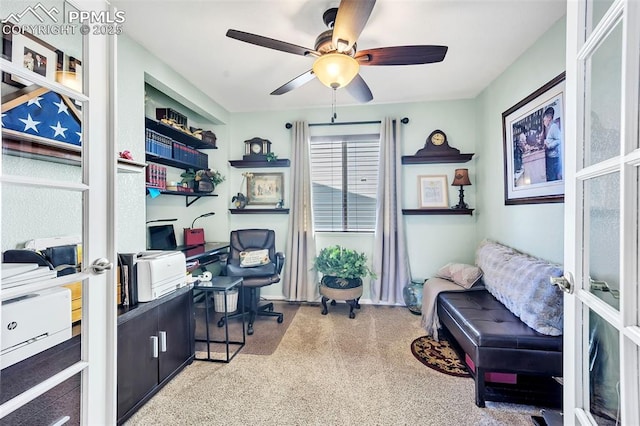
<point x="344" y="175"/>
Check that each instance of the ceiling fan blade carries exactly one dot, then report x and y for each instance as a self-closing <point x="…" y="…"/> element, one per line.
<point x="271" y="43"/>
<point x="359" y="89"/>
<point x="350" y="21"/>
<point x="402" y="55"/>
<point x="300" y="80"/>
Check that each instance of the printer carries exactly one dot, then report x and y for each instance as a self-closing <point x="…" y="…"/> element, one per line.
<point x="160" y="273"/>
<point x="34" y="322"/>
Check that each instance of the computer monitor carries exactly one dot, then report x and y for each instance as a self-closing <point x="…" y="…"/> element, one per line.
<point x="162" y="237"/>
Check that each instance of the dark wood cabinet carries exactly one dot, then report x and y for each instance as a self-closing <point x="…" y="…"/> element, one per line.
<point x="155" y="342"/>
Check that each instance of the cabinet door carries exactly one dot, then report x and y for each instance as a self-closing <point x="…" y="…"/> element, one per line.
<point x="175" y="320"/>
<point x="137" y="366"/>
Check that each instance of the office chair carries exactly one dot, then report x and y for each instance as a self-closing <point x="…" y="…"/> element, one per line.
<point x="255" y="277"/>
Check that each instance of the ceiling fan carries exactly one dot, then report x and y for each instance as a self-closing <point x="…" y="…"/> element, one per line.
<point x="337" y="60"/>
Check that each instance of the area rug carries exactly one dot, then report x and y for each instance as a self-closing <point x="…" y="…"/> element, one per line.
<point x="267" y="332"/>
<point x="439" y="355"/>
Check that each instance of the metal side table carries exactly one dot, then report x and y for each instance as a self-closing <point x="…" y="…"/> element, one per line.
<point x="223" y="284"/>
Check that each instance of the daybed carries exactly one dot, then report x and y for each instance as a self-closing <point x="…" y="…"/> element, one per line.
<point x="510" y="322"/>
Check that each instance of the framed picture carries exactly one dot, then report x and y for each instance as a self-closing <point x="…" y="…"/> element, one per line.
<point x="433" y="192"/>
<point x="533" y="137"/>
<point x="35" y="55"/>
<point x="265" y="188"/>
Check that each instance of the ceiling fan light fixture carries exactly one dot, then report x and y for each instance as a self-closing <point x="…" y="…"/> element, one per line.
<point x="335" y="70"/>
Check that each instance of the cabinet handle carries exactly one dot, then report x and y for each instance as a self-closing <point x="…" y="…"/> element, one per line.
<point x="154" y="346"/>
<point x="163" y="341"/>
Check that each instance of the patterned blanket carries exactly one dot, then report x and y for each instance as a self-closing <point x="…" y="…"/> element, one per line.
<point x="521" y="283"/>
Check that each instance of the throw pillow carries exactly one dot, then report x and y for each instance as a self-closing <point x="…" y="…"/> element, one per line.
<point x="462" y="274"/>
<point x="251" y="258"/>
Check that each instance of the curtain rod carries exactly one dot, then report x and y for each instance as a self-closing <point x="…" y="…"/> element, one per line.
<point x="404" y="120"/>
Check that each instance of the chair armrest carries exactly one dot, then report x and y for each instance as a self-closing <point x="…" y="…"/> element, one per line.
<point x="279" y="262"/>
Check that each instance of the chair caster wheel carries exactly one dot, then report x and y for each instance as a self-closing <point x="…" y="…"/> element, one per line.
<point x="333" y="303"/>
<point x="280" y="319"/>
<point x="250" y="330"/>
<point x="352" y="315"/>
<point x="221" y="322"/>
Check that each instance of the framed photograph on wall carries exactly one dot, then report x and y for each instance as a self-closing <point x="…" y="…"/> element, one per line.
<point x="265" y="188"/>
<point x="533" y="139"/>
<point x="33" y="54"/>
<point x="433" y="192"/>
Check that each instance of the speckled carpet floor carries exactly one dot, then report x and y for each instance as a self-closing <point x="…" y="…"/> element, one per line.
<point x="328" y="370"/>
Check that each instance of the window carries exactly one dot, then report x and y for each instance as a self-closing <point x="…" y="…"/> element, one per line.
<point x="344" y="178"/>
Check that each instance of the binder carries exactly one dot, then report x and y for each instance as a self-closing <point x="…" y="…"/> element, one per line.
<point x="129" y="274"/>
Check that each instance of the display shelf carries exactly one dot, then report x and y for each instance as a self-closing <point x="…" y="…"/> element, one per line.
<point x="437" y="211"/>
<point x="259" y="211"/>
<point x="130" y="166"/>
<point x="242" y="164"/>
<point x="433" y="159"/>
<point x="195" y="195"/>
<point x="176" y="135"/>
<point x="154" y="158"/>
<point x="38" y="148"/>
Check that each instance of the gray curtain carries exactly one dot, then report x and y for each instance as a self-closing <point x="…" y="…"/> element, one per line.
<point x="390" y="260"/>
<point x="300" y="281"/>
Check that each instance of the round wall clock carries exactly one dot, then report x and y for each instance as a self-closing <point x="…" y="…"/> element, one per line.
<point x="437" y="138"/>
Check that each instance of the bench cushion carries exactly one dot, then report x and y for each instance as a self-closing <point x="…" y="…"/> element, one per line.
<point x="488" y="323"/>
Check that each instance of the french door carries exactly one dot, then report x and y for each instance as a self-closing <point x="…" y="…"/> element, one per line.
<point x="602" y="333"/>
<point x="56" y="183"/>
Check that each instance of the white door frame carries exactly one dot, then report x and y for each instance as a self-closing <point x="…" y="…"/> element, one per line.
<point x="99" y="311"/>
<point x="577" y="305"/>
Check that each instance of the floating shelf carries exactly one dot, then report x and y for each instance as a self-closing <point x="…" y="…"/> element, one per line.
<point x="242" y="164"/>
<point x="130" y="166"/>
<point x="432" y="159"/>
<point x="176" y="135"/>
<point x="437" y="211"/>
<point x="37" y="148"/>
<point x="195" y="195"/>
<point x="259" y="211"/>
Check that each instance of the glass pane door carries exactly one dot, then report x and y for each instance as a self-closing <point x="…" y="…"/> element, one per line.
<point x="601" y="226"/>
<point x="53" y="222"/>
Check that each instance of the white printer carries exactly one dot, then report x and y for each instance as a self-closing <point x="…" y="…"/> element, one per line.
<point x="160" y="273"/>
<point x="33" y="323"/>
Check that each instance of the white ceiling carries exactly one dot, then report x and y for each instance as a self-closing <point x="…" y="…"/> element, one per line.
<point x="484" y="37"/>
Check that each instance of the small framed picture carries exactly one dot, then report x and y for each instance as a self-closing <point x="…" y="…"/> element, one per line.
<point x="433" y="192"/>
<point x="265" y="188"/>
<point x="35" y="55"/>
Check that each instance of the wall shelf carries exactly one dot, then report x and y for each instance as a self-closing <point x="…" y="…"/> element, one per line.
<point x="259" y="211"/>
<point x="242" y="164"/>
<point x="176" y="135"/>
<point x="37" y="148"/>
<point x="130" y="166"/>
<point x="437" y="212"/>
<point x="432" y="159"/>
<point x="195" y="195"/>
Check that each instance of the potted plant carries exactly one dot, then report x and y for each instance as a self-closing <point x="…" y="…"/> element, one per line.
<point x="342" y="271"/>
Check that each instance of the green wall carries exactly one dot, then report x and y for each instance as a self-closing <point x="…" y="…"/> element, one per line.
<point x="536" y="229"/>
<point x="472" y="125"/>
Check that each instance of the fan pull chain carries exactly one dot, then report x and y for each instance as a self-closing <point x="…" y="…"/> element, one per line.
<point x="334" y="115"/>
